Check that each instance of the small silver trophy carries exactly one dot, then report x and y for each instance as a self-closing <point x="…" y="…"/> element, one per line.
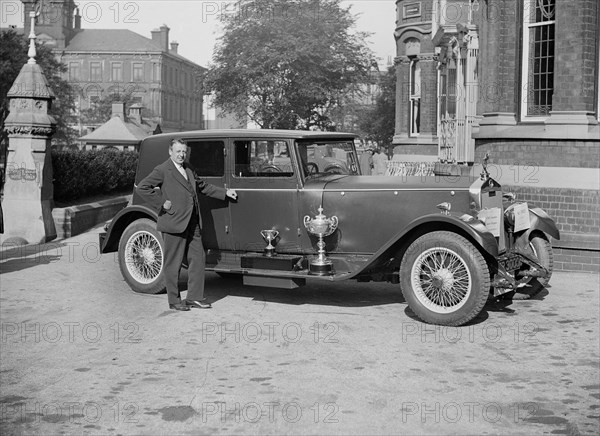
<point x="269" y="236"/>
<point x="321" y="226"/>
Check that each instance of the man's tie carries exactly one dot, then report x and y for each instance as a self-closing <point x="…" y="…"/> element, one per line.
<point x="182" y="171"/>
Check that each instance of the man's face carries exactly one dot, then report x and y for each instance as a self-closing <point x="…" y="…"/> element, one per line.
<point x="178" y="152"/>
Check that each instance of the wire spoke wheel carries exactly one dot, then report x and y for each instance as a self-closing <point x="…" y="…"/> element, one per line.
<point x="444" y="278"/>
<point x="141" y="257"/>
<point x="441" y="280"/>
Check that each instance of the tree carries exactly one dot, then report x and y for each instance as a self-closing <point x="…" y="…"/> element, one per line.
<point x="379" y="123"/>
<point x="287" y="63"/>
<point x="101" y="110"/>
<point x="13" y="55"/>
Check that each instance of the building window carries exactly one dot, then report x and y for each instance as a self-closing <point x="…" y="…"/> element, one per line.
<point x="95" y="72"/>
<point x="412" y="10"/>
<point x="538" y="57"/>
<point x="74" y="71"/>
<point x="414" y="97"/>
<point x="116" y="71"/>
<point x="137" y="72"/>
<point x="155" y="72"/>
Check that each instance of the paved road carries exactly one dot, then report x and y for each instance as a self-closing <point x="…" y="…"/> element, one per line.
<point x="80" y="353"/>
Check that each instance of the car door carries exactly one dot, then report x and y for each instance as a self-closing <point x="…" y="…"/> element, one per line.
<point x="264" y="176"/>
<point x="207" y="158"/>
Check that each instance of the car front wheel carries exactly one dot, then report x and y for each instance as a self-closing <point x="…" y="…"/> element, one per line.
<point x="542" y="251"/>
<point x="444" y="278"/>
<point x="141" y="257"/>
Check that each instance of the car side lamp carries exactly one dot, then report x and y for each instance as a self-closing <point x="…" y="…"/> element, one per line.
<point x="444" y="207"/>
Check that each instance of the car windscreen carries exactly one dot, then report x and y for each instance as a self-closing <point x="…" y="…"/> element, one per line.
<point x="319" y="158"/>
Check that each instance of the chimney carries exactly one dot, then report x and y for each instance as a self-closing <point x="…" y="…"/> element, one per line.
<point x="164" y="30"/>
<point x="161" y="37"/>
<point x="135" y="113"/>
<point x="118" y="110"/>
<point x="174" y="46"/>
<point x="77" y="19"/>
<point x="156" y="36"/>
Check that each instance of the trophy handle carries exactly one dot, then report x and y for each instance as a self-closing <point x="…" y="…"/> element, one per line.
<point x="264" y="233"/>
<point x="307" y="219"/>
<point x="334" y="224"/>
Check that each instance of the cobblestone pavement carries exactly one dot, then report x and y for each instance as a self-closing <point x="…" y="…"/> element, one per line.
<point x="82" y="354"/>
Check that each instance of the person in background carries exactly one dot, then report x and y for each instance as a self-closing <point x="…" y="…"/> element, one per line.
<point x="366" y="162"/>
<point x="379" y="162"/>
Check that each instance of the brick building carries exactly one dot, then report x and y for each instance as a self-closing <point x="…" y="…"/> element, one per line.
<point x="517" y="79"/>
<point x="102" y="62"/>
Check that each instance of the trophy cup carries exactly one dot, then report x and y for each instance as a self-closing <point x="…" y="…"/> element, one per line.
<point x="321" y="226"/>
<point x="269" y="236"/>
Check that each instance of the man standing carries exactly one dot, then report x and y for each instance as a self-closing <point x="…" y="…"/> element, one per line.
<point x="366" y="162"/>
<point x="172" y="189"/>
<point x="379" y="162"/>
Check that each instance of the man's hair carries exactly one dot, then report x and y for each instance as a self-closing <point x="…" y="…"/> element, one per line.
<point x="176" y="141"/>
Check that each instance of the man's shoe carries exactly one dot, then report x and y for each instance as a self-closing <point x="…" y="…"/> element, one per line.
<point x="179" y="306"/>
<point x="197" y="304"/>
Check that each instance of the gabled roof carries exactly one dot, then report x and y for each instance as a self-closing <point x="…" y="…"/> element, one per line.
<point x="116" y="130"/>
<point x="112" y="40"/>
<point x="115" y="40"/>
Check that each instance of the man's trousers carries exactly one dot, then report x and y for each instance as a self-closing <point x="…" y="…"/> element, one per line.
<point x="177" y="248"/>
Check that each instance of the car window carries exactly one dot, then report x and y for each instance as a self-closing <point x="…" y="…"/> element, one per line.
<point x="323" y="158"/>
<point x="207" y="158"/>
<point x="262" y="159"/>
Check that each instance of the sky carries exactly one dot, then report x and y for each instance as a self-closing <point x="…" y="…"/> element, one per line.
<point x="194" y="24"/>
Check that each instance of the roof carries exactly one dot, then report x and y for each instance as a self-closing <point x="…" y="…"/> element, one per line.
<point x="110" y="40"/>
<point x="116" y="130"/>
<point x="115" y="40"/>
<point x="257" y="133"/>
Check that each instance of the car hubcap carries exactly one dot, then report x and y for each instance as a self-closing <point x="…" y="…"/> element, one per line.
<point x="441" y="280"/>
<point x="143" y="257"/>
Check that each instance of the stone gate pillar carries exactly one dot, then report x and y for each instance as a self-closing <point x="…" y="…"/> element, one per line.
<point x="28" y="189"/>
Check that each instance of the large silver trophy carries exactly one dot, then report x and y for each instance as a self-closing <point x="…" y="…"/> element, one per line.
<point x="321" y="226"/>
<point x="269" y="236"/>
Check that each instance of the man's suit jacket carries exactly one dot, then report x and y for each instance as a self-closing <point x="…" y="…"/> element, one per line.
<point x="182" y="194"/>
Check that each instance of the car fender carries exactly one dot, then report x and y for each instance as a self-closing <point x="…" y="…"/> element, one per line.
<point x="110" y="241"/>
<point x="539" y="220"/>
<point x="471" y="226"/>
<point x="465" y="224"/>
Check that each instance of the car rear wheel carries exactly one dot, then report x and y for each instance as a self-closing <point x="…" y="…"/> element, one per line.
<point x="141" y="257"/>
<point x="444" y="278"/>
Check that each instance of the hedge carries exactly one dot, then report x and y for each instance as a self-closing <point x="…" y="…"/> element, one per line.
<point x="85" y="173"/>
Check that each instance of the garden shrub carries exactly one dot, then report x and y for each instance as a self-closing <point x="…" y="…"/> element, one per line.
<point x="85" y="173"/>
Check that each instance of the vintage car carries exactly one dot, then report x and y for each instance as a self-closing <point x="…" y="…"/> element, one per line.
<point x="450" y="241"/>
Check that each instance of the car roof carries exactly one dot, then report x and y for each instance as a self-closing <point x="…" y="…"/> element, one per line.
<point x="255" y="133"/>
